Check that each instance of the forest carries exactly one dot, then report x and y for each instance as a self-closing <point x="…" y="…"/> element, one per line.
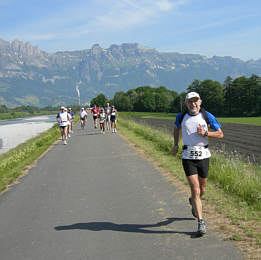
<point x="234" y="97"/>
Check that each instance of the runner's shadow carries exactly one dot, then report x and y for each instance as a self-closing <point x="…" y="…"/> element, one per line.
<point x="93" y="133"/>
<point x="132" y="228"/>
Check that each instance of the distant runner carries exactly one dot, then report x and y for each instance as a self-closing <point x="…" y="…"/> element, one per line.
<point x="68" y="123"/>
<point x="72" y="115"/>
<point x="108" y="116"/>
<point x="83" y="116"/>
<point x="195" y="156"/>
<point x="102" y="118"/>
<point x="95" y="112"/>
<point x="114" y="115"/>
<point x="62" y="119"/>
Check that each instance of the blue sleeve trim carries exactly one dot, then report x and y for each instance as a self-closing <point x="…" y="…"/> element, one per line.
<point x="176" y="121"/>
<point x="214" y="124"/>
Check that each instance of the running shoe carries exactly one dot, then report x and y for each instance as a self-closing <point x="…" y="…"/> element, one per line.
<point x="115" y="130"/>
<point x="64" y="142"/>
<point x="201" y="227"/>
<point x="192" y="208"/>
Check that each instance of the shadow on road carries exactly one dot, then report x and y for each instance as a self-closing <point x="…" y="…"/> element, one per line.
<point x="136" y="228"/>
<point x="83" y="132"/>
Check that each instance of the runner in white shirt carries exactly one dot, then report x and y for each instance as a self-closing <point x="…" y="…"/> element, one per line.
<point x="69" y="123"/>
<point x="195" y="155"/>
<point x="83" y="116"/>
<point x="102" y="118"/>
<point x="62" y="119"/>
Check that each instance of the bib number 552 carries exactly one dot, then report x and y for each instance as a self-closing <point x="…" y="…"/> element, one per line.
<point x="195" y="153"/>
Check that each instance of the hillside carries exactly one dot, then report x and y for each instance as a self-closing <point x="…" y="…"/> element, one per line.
<point x="31" y="76"/>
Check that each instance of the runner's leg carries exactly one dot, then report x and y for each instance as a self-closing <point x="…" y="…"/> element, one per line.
<point x="195" y="194"/>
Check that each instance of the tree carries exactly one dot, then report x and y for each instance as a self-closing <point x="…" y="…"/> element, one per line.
<point x="161" y="103"/>
<point x="227" y="95"/>
<point x="100" y="100"/>
<point x="211" y="92"/>
<point x="122" y="101"/>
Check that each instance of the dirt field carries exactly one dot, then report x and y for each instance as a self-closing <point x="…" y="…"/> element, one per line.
<point x="240" y="140"/>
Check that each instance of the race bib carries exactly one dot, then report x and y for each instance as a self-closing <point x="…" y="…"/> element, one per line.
<point x="196" y="153"/>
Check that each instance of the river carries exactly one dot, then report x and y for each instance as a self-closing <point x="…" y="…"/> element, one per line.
<point x="17" y="131"/>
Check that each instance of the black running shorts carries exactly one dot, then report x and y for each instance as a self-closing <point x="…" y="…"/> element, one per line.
<point x="199" y="167"/>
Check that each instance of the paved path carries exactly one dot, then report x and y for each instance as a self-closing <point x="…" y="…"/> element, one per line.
<point x="97" y="199"/>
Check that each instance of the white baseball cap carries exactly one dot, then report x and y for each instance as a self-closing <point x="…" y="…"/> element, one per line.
<point x="192" y="95"/>
<point x="62" y="107"/>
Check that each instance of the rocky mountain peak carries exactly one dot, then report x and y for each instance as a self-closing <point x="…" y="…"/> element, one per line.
<point x="42" y="75"/>
<point x="96" y="50"/>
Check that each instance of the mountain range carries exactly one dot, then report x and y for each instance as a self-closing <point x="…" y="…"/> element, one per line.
<point x="30" y="76"/>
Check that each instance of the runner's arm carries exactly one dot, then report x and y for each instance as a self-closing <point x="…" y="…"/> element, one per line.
<point x="176" y="139"/>
<point x="216" y="134"/>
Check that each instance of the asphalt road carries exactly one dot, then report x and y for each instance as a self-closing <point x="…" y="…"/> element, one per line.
<point x="97" y="199"/>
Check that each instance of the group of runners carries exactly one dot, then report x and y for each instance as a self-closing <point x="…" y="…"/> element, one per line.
<point x="106" y="117"/>
<point x="194" y="125"/>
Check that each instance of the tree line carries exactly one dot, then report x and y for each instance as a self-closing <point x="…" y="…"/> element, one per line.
<point x="235" y="97"/>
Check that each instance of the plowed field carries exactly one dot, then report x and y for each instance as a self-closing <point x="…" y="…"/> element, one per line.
<point x="240" y="140"/>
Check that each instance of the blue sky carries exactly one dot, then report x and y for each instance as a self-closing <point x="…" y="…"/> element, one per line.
<point x="206" y="27"/>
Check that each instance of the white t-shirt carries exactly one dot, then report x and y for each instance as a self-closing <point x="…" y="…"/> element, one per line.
<point x="69" y="119"/>
<point x="63" y="116"/>
<point x="102" y="117"/>
<point x="195" y="143"/>
<point x="192" y="139"/>
<point x="83" y="114"/>
<point x="189" y="130"/>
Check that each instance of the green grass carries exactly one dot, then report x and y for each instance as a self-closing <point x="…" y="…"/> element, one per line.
<point x="233" y="186"/>
<point x="147" y="114"/>
<point x="237" y="120"/>
<point x="241" y="120"/>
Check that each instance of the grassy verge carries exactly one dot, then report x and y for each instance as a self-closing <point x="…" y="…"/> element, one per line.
<point x="233" y="190"/>
<point x="15" y="161"/>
